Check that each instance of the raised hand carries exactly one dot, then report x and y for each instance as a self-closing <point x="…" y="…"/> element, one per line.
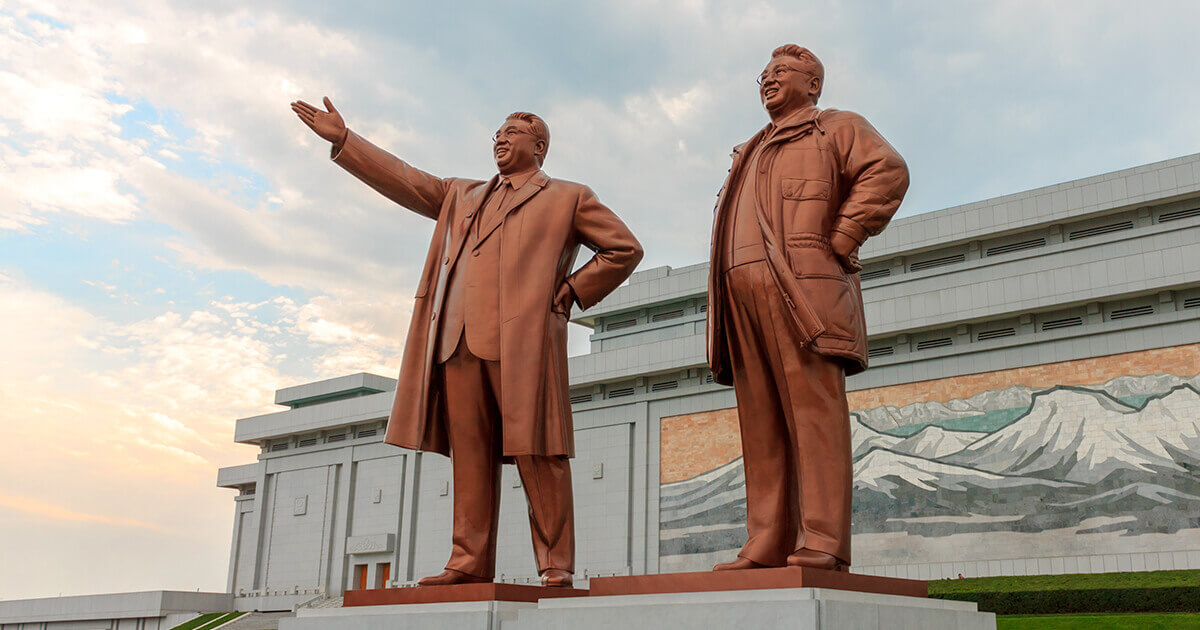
<point x="329" y="125"/>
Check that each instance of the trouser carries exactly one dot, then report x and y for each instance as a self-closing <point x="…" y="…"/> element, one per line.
<point x="472" y="392"/>
<point x="795" y="425"/>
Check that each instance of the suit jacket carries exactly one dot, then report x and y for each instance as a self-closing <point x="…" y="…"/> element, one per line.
<point x="822" y="171"/>
<point x="540" y="233"/>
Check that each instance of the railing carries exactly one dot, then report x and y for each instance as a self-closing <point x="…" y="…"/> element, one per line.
<point x="279" y="592"/>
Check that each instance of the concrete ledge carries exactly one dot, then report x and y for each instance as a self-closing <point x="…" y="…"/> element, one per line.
<point x="483" y="615"/>
<point x="767" y="609"/>
<point x="113" y="606"/>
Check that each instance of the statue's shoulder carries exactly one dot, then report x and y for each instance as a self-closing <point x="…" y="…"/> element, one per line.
<point x="465" y="183"/>
<point x="565" y="185"/>
<point x="832" y="117"/>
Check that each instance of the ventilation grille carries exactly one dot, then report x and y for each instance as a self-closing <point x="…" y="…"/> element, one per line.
<point x="1178" y="214"/>
<point x="1133" y="311"/>
<point x="1016" y="247"/>
<point x="882" y="351"/>
<point x="1066" y="322"/>
<point x="336" y="437"/>
<point x="1098" y="230"/>
<point x="620" y="392"/>
<point x="934" y="343"/>
<point x="937" y="262"/>
<point x="658" y="317"/>
<point x="1192" y="303"/>
<point x="367" y="433"/>
<point x="704" y="307"/>
<point x="624" y="323"/>
<point x="708" y="378"/>
<point x="664" y="386"/>
<point x="582" y="398"/>
<point x="995" y="334"/>
<point x="282" y="446"/>
<point x="306" y="442"/>
<point x="877" y="273"/>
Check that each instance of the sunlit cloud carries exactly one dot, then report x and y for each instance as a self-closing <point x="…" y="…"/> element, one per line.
<point x="40" y="509"/>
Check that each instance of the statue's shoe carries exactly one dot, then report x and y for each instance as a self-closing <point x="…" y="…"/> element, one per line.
<point x="558" y="578"/>
<point x="450" y="576"/>
<point x="739" y="564"/>
<point x="816" y="560"/>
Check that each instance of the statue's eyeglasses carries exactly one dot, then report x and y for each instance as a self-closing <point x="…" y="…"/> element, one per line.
<point x="508" y="134"/>
<point x="778" y="73"/>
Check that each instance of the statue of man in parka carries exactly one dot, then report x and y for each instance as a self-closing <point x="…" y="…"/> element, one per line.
<point x="785" y="316"/>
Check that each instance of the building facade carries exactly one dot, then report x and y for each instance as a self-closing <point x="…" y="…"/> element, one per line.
<point x="1032" y="406"/>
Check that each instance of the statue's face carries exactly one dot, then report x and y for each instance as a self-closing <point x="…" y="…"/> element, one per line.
<point x="783" y="85"/>
<point x="515" y="147"/>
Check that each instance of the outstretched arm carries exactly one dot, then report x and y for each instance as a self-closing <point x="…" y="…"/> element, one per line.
<point x="392" y="177"/>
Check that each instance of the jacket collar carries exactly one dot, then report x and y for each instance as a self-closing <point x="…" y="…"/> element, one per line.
<point x="796" y="119"/>
<point x="535" y="182"/>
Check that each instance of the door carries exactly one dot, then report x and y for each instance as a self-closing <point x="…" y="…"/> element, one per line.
<point x="383" y="573"/>
<point x="360" y="576"/>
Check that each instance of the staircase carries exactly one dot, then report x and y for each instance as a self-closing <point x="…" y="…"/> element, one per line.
<point x="331" y="602"/>
<point x="258" y="621"/>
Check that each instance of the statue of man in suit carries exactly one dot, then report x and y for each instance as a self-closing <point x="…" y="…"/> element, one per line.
<point x="785" y="315"/>
<point x="483" y="378"/>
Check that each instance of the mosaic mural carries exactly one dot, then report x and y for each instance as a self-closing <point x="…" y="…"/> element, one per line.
<point x="1050" y="461"/>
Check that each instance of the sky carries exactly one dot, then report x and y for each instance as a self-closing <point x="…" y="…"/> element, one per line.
<point x="175" y="245"/>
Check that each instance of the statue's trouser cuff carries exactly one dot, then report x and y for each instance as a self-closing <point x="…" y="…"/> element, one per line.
<point x="472" y="388"/>
<point x="794" y="423"/>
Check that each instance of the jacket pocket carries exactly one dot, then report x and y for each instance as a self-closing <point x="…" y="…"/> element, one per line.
<point x="834" y="303"/>
<point x="800" y="189"/>
<point x="810" y="256"/>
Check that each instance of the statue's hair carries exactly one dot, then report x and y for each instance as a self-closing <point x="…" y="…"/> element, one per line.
<point x="540" y="129"/>
<point x="808" y="62"/>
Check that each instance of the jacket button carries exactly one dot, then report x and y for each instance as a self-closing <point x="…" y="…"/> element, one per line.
<point x="475" y="253"/>
<point x="434" y="318"/>
<point x="446" y="260"/>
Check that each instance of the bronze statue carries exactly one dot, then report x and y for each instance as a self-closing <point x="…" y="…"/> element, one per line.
<point x="484" y="373"/>
<point x="785" y="316"/>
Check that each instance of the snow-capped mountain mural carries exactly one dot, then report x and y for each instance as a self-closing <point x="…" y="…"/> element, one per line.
<point x="1119" y="456"/>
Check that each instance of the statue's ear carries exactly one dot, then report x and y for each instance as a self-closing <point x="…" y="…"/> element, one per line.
<point x="540" y="149"/>
<point x="814" y="86"/>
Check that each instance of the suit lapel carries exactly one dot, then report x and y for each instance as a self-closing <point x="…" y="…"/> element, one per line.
<point x="531" y="188"/>
<point x="473" y="203"/>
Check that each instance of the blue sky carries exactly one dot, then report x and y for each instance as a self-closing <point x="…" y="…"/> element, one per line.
<point x="174" y="245"/>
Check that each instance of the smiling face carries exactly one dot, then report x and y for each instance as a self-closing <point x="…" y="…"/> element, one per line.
<point x="516" y="148"/>
<point x="785" y="87"/>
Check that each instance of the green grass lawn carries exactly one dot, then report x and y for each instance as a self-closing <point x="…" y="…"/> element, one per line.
<point x="1145" y="621"/>
<point x="208" y="620"/>
<point x="221" y="620"/>
<point x="192" y="624"/>
<point x="1074" y="582"/>
<point x="1086" y="593"/>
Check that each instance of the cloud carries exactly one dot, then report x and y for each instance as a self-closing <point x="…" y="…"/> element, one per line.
<point x="125" y="424"/>
<point x="40" y="509"/>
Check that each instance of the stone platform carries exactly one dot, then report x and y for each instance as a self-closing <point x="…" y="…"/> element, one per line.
<point x="490" y="606"/>
<point x="762" y="609"/>
<point x="754" y="579"/>
<point x="490" y="591"/>
<point x="765" y="599"/>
